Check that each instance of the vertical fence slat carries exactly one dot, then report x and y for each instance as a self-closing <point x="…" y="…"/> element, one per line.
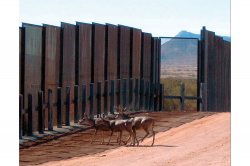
<point x="76" y="103"/>
<point x="137" y="95"/>
<point x="30" y="125"/>
<point x="152" y="87"/>
<point x="83" y="100"/>
<point x="131" y="94"/>
<point x="50" y="111"/>
<point x="203" y="89"/>
<point x="112" y="96"/>
<point x="33" y="42"/>
<point x="124" y="93"/>
<point x="68" y="65"/>
<point x="20" y="115"/>
<point x="67" y="113"/>
<point x="118" y="90"/>
<point x="157" y="92"/>
<point x="40" y="113"/>
<point x="105" y="95"/>
<point x="91" y="100"/>
<point x="141" y="94"/>
<point x="98" y="97"/>
<point x="147" y="95"/>
<point x="59" y="107"/>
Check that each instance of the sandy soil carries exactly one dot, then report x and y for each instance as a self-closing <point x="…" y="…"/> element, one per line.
<point x="204" y="141"/>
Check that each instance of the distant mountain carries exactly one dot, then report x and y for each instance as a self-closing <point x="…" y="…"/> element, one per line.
<point x="193" y="35"/>
<point x="187" y="34"/>
<point x="179" y="56"/>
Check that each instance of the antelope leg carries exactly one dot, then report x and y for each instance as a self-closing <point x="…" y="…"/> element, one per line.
<point x="120" y="138"/>
<point x="153" y="138"/>
<point x="147" y="133"/>
<point x="102" y="137"/>
<point x="93" y="136"/>
<point x="117" y="139"/>
<point x="128" y="138"/>
<point x="110" y="136"/>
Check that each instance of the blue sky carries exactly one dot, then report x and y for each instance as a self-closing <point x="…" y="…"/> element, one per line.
<point x="159" y="17"/>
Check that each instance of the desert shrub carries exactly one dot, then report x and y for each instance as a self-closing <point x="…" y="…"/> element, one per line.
<point x="172" y="88"/>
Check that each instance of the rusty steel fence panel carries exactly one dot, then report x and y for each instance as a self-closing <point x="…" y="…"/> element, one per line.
<point x="83" y="58"/>
<point x="146" y="56"/>
<point x="219" y="73"/>
<point x="51" y="66"/>
<point x="68" y="64"/>
<point x="22" y="122"/>
<point x="216" y="69"/>
<point x="32" y="66"/>
<point x="227" y="54"/>
<point x="153" y="59"/>
<point x="72" y="57"/>
<point x="83" y="53"/>
<point x="21" y="60"/>
<point x="124" y="51"/>
<point x="125" y="59"/>
<point x="159" y="61"/>
<point x="136" y="52"/>
<point x="111" y="58"/>
<point x="215" y="72"/>
<point x="211" y="72"/>
<point x="111" y="51"/>
<point x="98" y="55"/>
<point x="136" y="60"/>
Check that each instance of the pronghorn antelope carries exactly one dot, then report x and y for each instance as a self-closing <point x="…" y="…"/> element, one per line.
<point x="140" y="123"/>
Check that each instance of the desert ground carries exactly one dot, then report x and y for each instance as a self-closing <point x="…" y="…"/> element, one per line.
<point x="182" y="139"/>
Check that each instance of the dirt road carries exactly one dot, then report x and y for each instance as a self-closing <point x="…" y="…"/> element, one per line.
<point x="198" y="142"/>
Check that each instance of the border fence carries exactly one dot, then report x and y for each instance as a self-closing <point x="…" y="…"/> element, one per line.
<point x="70" y="70"/>
<point x="214" y="72"/>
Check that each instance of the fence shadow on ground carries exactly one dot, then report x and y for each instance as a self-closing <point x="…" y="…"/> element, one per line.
<point x="78" y="144"/>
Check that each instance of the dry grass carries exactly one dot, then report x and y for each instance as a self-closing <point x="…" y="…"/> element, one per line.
<point x="172" y="88"/>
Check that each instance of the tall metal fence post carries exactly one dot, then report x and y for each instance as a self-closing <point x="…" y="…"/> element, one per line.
<point x="161" y="98"/>
<point x="137" y="95"/>
<point x="131" y="94"/>
<point x="124" y="93"/>
<point x="67" y="114"/>
<point x="40" y="113"/>
<point x="147" y="95"/>
<point x="157" y="97"/>
<point x="112" y="96"/>
<point x="83" y="100"/>
<point x="30" y="110"/>
<point x="203" y="93"/>
<point x="118" y="92"/>
<point x="91" y="100"/>
<point x="152" y="97"/>
<point x="141" y="94"/>
<point x="182" y="96"/>
<point x="50" y="111"/>
<point x="20" y="116"/>
<point x="59" y="107"/>
<point x="106" y="96"/>
<point x="76" y="103"/>
<point x="98" y="97"/>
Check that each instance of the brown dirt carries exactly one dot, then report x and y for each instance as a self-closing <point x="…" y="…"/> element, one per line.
<point x="182" y="138"/>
